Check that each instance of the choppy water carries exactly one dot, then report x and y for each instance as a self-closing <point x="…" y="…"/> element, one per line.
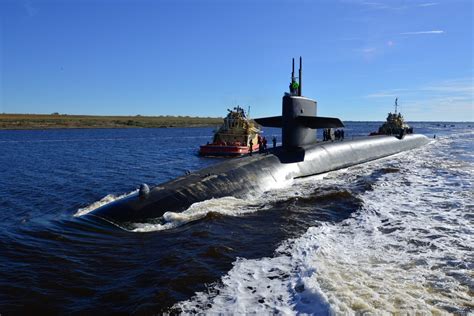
<point x="390" y="236"/>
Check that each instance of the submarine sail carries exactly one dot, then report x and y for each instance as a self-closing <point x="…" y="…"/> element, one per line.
<point x="299" y="116"/>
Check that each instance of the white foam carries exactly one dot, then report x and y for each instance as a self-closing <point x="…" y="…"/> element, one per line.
<point x="408" y="250"/>
<point x="361" y="268"/>
<point x="109" y="198"/>
<point x="229" y="206"/>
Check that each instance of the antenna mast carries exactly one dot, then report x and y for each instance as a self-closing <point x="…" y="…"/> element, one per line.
<point x="300" y="75"/>
<point x="396" y="105"/>
<point x="293" y="72"/>
<point x="295" y="87"/>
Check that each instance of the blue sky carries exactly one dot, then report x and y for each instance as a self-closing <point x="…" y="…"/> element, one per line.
<point x="199" y="58"/>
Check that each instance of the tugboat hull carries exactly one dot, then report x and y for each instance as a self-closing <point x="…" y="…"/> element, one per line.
<point x="234" y="137"/>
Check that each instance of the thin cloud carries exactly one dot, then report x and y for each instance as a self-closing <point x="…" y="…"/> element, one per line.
<point x="456" y="88"/>
<point x="367" y="53"/>
<point x="450" y="109"/>
<point x="384" y="5"/>
<point x="376" y="5"/>
<point x="454" y="99"/>
<point x="368" y="50"/>
<point x="423" y="32"/>
<point x="460" y="86"/>
<point x="382" y="95"/>
<point x="387" y="94"/>
<point x="352" y="39"/>
<point x="29" y="8"/>
<point x="429" y="4"/>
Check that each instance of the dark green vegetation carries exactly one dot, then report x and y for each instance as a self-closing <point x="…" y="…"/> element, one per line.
<point x="41" y="121"/>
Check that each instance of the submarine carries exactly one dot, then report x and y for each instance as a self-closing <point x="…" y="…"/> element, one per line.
<point x="300" y="155"/>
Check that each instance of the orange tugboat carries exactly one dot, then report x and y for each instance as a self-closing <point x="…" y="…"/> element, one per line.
<point x="235" y="137"/>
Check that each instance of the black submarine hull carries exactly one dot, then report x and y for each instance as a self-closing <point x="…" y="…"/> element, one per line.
<point x="252" y="175"/>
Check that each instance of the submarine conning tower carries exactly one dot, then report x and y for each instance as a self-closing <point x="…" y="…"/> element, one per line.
<point x="299" y="116"/>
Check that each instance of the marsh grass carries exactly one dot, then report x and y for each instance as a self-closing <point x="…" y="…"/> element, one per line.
<point x="44" y="121"/>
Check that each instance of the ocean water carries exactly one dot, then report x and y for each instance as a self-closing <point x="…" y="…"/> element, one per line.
<point x="394" y="235"/>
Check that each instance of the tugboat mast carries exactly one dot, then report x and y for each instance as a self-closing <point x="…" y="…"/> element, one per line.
<point x="396" y="105"/>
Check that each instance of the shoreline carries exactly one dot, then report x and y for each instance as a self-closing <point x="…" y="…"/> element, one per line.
<point x="65" y="121"/>
<point x="58" y="121"/>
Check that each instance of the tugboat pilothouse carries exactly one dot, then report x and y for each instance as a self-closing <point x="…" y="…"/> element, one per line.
<point x="235" y="137"/>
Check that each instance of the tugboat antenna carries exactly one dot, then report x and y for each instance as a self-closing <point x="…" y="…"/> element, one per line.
<point x="396" y="105"/>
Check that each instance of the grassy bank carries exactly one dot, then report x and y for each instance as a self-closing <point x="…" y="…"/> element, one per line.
<point x="42" y="121"/>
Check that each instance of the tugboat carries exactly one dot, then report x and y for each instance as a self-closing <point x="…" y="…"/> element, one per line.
<point x="234" y="137"/>
<point x="394" y="125"/>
